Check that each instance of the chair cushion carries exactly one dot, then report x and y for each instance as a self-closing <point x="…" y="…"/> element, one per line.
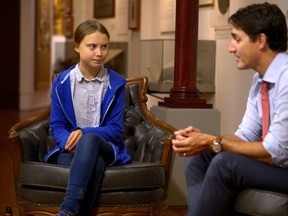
<point x="132" y="176"/>
<point x="260" y="202"/>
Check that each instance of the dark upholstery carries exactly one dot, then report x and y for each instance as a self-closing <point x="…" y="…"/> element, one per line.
<point x="255" y="202"/>
<point x="138" y="187"/>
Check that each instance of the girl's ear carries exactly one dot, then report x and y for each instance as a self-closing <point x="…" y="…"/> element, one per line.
<point x="76" y="45"/>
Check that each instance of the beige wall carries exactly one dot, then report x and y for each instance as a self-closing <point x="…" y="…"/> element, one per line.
<point x="29" y="98"/>
<point x="231" y="85"/>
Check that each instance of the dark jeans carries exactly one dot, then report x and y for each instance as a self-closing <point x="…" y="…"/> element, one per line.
<point x="86" y="169"/>
<point x="214" y="181"/>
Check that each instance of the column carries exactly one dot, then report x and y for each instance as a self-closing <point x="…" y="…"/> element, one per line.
<point x="184" y="93"/>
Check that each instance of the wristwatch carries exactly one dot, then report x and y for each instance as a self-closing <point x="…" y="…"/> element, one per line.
<point x="216" y="146"/>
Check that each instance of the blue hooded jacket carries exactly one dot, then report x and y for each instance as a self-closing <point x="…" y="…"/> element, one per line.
<point x="63" y="119"/>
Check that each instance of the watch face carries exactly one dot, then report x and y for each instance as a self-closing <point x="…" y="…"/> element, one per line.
<point x="216" y="147"/>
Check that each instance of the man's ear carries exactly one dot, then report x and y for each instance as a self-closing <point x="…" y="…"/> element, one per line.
<point x="262" y="41"/>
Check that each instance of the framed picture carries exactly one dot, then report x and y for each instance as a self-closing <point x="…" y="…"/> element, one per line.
<point x="42" y="49"/>
<point x="204" y="3"/>
<point x="68" y="23"/>
<point x="134" y="14"/>
<point x="69" y="6"/>
<point x="68" y="19"/>
<point x="104" y="8"/>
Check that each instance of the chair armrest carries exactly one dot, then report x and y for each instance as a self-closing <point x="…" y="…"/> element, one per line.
<point x="16" y="140"/>
<point x="151" y="119"/>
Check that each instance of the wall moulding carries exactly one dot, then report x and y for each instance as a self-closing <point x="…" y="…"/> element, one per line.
<point x="205" y="3"/>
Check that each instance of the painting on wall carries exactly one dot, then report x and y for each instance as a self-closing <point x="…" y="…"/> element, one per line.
<point x="68" y="20"/>
<point x="68" y="23"/>
<point x="134" y="14"/>
<point x="104" y="8"/>
<point x="42" y="45"/>
<point x="63" y="17"/>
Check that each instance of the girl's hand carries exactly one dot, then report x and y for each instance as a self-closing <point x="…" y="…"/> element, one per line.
<point x="72" y="140"/>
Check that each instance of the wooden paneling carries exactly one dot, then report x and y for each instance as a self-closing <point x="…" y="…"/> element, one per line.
<point x="42" y="45"/>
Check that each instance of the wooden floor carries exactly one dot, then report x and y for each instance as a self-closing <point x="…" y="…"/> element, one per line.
<point x="7" y="192"/>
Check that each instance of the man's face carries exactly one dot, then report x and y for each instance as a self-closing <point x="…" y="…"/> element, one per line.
<point x="245" y="51"/>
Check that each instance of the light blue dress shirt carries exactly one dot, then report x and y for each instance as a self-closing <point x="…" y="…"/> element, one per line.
<point x="250" y="129"/>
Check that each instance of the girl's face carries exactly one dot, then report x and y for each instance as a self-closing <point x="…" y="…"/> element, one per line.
<point x="93" y="50"/>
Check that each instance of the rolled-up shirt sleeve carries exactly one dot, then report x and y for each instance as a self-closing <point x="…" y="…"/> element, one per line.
<point x="250" y="128"/>
<point x="276" y="141"/>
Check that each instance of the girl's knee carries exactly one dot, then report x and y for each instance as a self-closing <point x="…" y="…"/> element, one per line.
<point x="90" y="137"/>
<point x="88" y="144"/>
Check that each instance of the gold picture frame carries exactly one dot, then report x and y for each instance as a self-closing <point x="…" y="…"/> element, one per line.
<point x="205" y="3"/>
<point x="42" y="50"/>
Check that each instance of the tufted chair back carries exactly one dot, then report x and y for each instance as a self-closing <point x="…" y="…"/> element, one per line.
<point x="144" y="140"/>
<point x="40" y="187"/>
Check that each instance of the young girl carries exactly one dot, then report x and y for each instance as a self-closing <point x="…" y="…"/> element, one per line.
<point x="86" y="118"/>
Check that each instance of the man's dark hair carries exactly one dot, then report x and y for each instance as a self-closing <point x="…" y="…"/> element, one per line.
<point x="263" y="18"/>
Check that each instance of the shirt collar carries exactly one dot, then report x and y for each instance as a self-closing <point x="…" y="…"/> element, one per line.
<point x="273" y="71"/>
<point x="100" y="76"/>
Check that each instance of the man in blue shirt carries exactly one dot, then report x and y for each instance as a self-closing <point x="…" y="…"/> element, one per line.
<point x="218" y="168"/>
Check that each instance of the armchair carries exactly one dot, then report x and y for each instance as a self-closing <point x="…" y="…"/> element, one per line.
<point x="256" y="202"/>
<point x="139" y="188"/>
